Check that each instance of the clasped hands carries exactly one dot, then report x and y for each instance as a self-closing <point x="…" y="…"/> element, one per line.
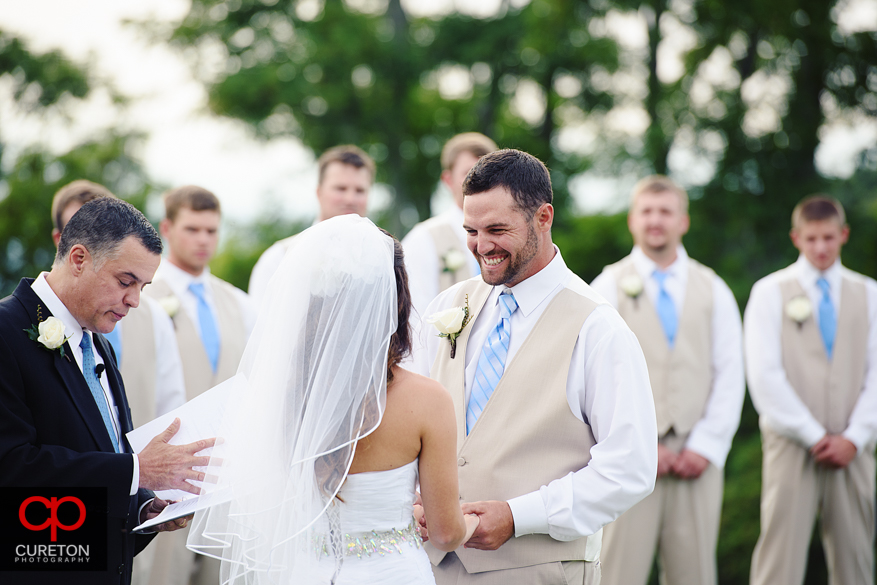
<point x="164" y="466"/>
<point x="496" y="524"/>
<point x="833" y="451"/>
<point x="684" y="465"/>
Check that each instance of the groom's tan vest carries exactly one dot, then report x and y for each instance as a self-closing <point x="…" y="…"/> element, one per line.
<point x="445" y="240"/>
<point x="681" y="378"/>
<point x="138" y="363"/>
<point x="829" y="389"/>
<point x="197" y="372"/>
<point x="526" y="436"/>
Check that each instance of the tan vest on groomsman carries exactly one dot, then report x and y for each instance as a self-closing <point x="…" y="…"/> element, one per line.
<point x="445" y="240"/>
<point x="829" y="389"/>
<point x="681" y="378"/>
<point x="197" y="372"/>
<point x="526" y="436"/>
<point x="138" y="363"/>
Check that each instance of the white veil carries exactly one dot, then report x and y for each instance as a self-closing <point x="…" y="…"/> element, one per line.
<point x="316" y="371"/>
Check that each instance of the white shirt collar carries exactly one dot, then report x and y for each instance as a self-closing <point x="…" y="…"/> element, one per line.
<point x="178" y="279"/>
<point x="530" y="293"/>
<point x="809" y="274"/>
<point x="72" y="328"/>
<point x="645" y="266"/>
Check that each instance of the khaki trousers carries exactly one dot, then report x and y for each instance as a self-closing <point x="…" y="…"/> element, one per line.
<point x="794" y="490"/>
<point x="452" y="572"/>
<point x="173" y="564"/>
<point x="680" y="519"/>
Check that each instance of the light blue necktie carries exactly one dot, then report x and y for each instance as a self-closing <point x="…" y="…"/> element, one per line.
<point x="827" y="317"/>
<point x="96" y="390"/>
<point x="666" y="309"/>
<point x="209" y="333"/>
<point x="491" y="362"/>
<point x="116" y="341"/>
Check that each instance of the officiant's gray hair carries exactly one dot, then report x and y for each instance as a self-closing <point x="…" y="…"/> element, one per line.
<point x="101" y="225"/>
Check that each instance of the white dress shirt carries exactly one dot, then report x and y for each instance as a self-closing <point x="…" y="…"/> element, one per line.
<point x="74" y="332"/>
<point x="179" y="280"/>
<point x="608" y="388"/>
<point x="711" y="437"/>
<point x="422" y="261"/>
<point x="777" y="403"/>
<point x="170" y="390"/>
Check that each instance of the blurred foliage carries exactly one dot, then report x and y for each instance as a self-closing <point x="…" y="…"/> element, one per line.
<point x="26" y="246"/>
<point x="28" y="183"/>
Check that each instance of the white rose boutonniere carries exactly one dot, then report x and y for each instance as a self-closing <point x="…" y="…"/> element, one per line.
<point x="453" y="260"/>
<point x="798" y="309"/>
<point x="631" y="285"/>
<point x="450" y="323"/>
<point x="49" y="334"/>
<point x="170" y="304"/>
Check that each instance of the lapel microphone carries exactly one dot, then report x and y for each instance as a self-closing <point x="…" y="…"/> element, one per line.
<point x="98" y="370"/>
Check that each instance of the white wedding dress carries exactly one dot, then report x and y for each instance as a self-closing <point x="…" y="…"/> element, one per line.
<point x="380" y="541"/>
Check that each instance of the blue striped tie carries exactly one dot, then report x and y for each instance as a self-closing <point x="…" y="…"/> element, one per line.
<point x="827" y="317"/>
<point x="96" y="390"/>
<point x="209" y="332"/>
<point x="491" y="362"/>
<point x="666" y="309"/>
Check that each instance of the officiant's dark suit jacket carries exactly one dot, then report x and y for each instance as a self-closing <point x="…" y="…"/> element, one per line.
<point x="52" y="435"/>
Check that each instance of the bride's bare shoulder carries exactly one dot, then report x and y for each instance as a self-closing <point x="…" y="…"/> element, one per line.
<point x="418" y="387"/>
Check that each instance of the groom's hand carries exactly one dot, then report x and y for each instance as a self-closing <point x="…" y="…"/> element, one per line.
<point x="496" y="527"/>
<point x="164" y="466"/>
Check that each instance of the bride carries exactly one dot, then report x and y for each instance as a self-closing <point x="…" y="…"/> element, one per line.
<point x="323" y="449"/>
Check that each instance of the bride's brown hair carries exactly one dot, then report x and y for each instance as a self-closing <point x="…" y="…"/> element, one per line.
<point x="400" y="341"/>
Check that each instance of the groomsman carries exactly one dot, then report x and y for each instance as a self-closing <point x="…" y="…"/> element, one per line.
<point x="212" y="323"/>
<point x="688" y="324"/>
<point x="346" y="174"/>
<point x="435" y="249"/>
<point x="555" y="421"/>
<point x="811" y="344"/>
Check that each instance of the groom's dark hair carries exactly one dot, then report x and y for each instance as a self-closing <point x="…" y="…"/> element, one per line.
<point x="101" y="225"/>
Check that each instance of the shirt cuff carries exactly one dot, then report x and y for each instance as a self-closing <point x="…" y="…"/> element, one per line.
<point x="529" y="514"/>
<point x="140" y="516"/>
<point x="857" y="436"/>
<point x="812" y="434"/>
<point x="709" y="447"/>
<point x="135" y="479"/>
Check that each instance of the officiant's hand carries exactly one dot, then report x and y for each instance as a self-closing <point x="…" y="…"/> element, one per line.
<point x="497" y="524"/>
<point x="164" y="466"/>
<point x="154" y="508"/>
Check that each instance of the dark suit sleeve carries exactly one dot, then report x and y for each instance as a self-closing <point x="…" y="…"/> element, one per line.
<point x="43" y="440"/>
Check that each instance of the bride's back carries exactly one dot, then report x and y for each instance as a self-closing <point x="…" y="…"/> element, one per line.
<point x="412" y="401"/>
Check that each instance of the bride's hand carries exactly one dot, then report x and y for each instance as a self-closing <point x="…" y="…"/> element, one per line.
<point x="420" y="519"/>
<point x="472" y="521"/>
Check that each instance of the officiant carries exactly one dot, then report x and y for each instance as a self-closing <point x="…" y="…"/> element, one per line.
<point x="63" y="408"/>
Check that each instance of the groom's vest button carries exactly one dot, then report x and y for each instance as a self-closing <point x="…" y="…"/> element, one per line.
<point x="461" y="461"/>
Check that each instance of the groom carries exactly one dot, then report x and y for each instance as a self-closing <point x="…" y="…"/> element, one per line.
<point x="556" y="432"/>
<point x="63" y="410"/>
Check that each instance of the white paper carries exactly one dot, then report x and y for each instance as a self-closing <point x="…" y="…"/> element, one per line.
<point x="200" y="418"/>
<point x="187" y="507"/>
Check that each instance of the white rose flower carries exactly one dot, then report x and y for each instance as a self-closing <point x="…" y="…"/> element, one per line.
<point x="52" y="333"/>
<point x="170" y="304"/>
<point x="454" y="260"/>
<point x="799" y="309"/>
<point x="448" y="322"/>
<point x="632" y="285"/>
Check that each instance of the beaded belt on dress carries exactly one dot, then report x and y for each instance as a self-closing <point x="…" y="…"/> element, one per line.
<point x="380" y="543"/>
